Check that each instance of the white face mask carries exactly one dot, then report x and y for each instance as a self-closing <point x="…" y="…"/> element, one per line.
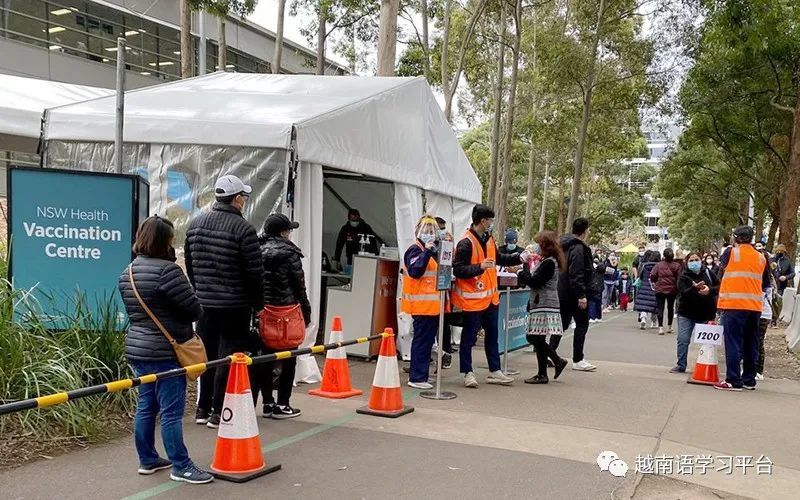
<point x="511" y="246"/>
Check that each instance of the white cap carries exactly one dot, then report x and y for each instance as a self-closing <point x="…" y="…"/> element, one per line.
<point x="229" y="185"/>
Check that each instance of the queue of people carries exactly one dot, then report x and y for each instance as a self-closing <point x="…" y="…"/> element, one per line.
<point x="233" y="275"/>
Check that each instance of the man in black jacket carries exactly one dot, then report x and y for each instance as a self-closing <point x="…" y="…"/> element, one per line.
<point x="223" y="261"/>
<point x="574" y="290"/>
<point x="349" y="238"/>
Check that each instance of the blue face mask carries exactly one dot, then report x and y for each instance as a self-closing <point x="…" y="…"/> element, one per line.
<point x="427" y="238"/>
<point x="353" y="223"/>
<point x="695" y="266"/>
<point x="511" y="246"/>
<point x="442" y="233"/>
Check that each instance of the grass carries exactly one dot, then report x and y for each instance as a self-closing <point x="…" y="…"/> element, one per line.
<point x="36" y="361"/>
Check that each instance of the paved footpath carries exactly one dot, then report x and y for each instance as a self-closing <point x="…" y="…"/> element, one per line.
<point x="492" y="442"/>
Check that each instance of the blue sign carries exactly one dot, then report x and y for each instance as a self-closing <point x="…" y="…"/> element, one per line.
<point x="517" y="319"/>
<point x="70" y="237"/>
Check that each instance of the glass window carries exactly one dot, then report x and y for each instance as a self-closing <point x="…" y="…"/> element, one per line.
<point x="24" y="20"/>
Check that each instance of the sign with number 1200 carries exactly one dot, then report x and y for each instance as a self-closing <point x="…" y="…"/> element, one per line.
<point x="707" y="334"/>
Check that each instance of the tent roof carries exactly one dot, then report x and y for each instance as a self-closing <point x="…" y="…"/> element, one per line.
<point x="389" y="128"/>
<point x="22" y="101"/>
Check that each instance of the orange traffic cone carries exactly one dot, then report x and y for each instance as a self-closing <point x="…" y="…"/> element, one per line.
<point x="238" y="457"/>
<point x="706" y="371"/>
<point x="386" y="399"/>
<point x="336" y="374"/>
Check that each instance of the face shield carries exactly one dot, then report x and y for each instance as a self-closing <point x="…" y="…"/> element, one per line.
<point x="427" y="230"/>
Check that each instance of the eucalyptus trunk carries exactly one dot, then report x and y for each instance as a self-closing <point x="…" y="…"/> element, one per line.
<point x="278" y="53"/>
<point x="387" y="37"/>
<point x="501" y="213"/>
<point x="322" y="34"/>
<point x="498" y="108"/>
<point x="587" y="113"/>
<point x="222" y="45"/>
<point x="186" y="39"/>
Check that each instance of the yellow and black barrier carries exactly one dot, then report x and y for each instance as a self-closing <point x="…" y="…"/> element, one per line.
<point x="128" y="383"/>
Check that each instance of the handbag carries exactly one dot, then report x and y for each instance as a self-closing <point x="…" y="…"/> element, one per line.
<point x="191" y="352"/>
<point x="282" y="327"/>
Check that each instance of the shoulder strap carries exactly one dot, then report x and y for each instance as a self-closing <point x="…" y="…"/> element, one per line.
<point x="147" y="309"/>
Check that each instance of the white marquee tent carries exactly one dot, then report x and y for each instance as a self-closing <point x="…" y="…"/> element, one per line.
<point x="22" y="102"/>
<point x="280" y="133"/>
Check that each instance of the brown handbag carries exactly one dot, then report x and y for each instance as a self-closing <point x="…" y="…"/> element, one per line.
<point x="282" y="327"/>
<point x="191" y="352"/>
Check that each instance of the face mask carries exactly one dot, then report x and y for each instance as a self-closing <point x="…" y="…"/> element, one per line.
<point x="779" y="254"/>
<point x="710" y="261"/>
<point x="427" y="237"/>
<point x="511" y="246"/>
<point x="695" y="266"/>
<point x="537" y="249"/>
<point x="353" y="223"/>
<point x="442" y="233"/>
<point x="491" y="228"/>
<point x="641" y="254"/>
<point x="760" y="249"/>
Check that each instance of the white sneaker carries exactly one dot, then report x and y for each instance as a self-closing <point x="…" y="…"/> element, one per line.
<point x="499" y="378"/>
<point x="661" y="330"/>
<point x="759" y="376"/>
<point x="572" y="325"/>
<point x="591" y="321"/>
<point x="669" y="329"/>
<point x="469" y="380"/>
<point x="653" y="325"/>
<point x="420" y="385"/>
<point x="583" y="366"/>
<point x="642" y="325"/>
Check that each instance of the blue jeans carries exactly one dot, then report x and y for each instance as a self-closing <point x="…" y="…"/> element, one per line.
<point x="426" y="329"/>
<point x="473" y="320"/>
<point x="741" y="346"/>
<point x="165" y="397"/>
<point x="685" y="329"/>
<point x="595" y="309"/>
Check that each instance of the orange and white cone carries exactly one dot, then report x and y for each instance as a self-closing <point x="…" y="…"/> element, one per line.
<point x="336" y="373"/>
<point x="706" y="370"/>
<point x="386" y="398"/>
<point x="238" y="455"/>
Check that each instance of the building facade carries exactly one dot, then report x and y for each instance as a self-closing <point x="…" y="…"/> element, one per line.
<point x="659" y="143"/>
<point x="75" y="41"/>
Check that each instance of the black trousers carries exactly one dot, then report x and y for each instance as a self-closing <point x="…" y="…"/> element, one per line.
<point x="669" y="300"/>
<point x="224" y="332"/>
<point x="570" y="311"/>
<point x="265" y="377"/>
<point x="543" y="351"/>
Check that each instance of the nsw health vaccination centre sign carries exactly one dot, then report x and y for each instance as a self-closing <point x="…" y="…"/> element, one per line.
<point x="70" y="238"/>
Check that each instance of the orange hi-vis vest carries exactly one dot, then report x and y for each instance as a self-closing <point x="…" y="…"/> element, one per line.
<point x="476" y="294"/>
<point x="420" y="297"/>
<point x="741" y="288"/>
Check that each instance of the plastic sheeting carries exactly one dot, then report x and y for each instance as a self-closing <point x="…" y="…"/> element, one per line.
<point x="789" y="304"/>
<point x="182" y="177"/>
<point x="307" y="211"/>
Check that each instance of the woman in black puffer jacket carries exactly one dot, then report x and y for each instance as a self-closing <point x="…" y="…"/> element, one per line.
<point x="166" y="291"/>
<point x="284" y="285"/>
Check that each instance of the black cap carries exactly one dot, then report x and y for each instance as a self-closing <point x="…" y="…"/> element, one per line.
<point x="278" y="223"/>
<point x="743" y="234"/>
<point x="440" y="221"/>
<point x="352" y="212"/>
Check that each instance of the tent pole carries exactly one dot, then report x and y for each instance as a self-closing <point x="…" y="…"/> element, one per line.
<point x="120" y="112"/>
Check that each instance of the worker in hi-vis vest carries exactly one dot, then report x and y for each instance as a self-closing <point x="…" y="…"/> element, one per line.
<point x="421" y="298"/>
<point x="475" y="293"/>
<point x="745" y="276"/>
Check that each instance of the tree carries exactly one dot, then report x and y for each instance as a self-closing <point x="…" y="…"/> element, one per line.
<point x="186" y="38"/>
<point x="222" y="9"/>
<point x="276" y="56"/>
<point x="387" y="37"/>
<point x="355" y="18"/>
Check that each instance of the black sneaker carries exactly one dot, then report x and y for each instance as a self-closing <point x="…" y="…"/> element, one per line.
<point x="537" y="379"/>
<point x="447" y="361"/>
<point x="213" y="421"/>
<point x="268" y="409"/>
<point x="192" y="475"/>
<point x="160" y="464"/>
<point x="201" y="416"/>
<point x="283" y="412"/>
<point x="749" y="387"/>
<point x="560" y="368"/>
